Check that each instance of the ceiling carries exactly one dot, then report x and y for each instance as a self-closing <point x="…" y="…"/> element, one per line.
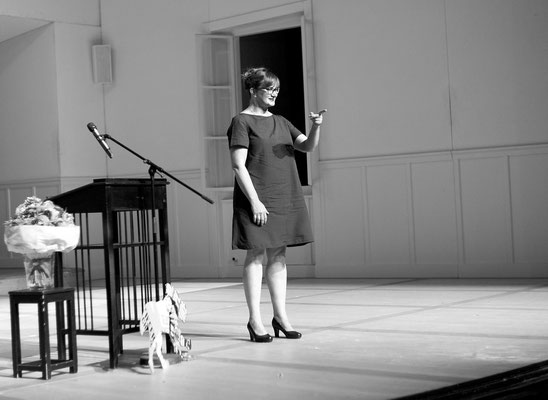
<point x="15" y="26"/>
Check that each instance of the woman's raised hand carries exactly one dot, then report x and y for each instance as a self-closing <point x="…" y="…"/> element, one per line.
<point x="317" y="119"/>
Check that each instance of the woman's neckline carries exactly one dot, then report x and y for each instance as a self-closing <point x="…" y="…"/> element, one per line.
<point x="269" y="114"/>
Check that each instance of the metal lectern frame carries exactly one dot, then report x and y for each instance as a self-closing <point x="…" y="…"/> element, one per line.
<point x="115" y="217"/>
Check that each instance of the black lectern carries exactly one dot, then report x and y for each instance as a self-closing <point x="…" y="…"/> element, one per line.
<point x="116" y="219"/>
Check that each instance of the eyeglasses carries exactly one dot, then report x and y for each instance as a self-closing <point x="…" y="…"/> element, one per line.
<point x="272" y="90"/>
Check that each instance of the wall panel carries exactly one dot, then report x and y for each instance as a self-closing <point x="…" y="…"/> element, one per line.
<point x="342" y="221"/>
<point x="485" y="210"/>
<point x="529" y="177"/>
<point x="434" y="213"/>
<point x="473" y="213"/>
<point x="192" y="229"/>
<point x="388" y="215"/>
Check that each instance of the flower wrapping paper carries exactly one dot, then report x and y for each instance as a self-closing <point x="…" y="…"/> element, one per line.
<point x="41" y="240"/>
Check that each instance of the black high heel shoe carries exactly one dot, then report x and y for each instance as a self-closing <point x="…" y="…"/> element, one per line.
<point x="288" y="334"/>
<point x="258" y="338"/>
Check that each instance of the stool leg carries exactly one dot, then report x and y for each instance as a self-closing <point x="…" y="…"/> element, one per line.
<point x="15" y="338"/>
<point x="43" y="328"/>
<point x="73" y="352"/>
<point x="60" y="319"/>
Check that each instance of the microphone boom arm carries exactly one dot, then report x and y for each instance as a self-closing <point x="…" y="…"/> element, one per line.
<point x="156" y="168"/>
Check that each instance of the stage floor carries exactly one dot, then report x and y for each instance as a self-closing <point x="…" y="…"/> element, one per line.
<point x="362" y="339"/>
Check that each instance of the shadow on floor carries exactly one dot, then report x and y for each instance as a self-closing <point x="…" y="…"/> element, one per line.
<point x="530" y="382"/>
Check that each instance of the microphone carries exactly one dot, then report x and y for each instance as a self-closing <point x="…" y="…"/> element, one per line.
<point x="93" y="129"/>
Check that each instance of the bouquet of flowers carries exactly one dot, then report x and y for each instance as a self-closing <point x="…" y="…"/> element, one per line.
<point x="37" y="230"/>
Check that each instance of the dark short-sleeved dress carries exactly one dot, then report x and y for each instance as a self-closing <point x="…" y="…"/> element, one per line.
<point x="271" y="165"/>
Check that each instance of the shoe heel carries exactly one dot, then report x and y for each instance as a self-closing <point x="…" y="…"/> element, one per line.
<point x="258" y="338"/>
<point x="276" y="331"/>
<point x="288" y="334"/>
<point x="251" y="333"/>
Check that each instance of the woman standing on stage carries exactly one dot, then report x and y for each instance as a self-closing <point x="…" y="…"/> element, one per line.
<point x="269" y="208"/>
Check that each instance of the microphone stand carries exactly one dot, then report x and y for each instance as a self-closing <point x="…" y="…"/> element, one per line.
<point x="152" y="171"/>
<point x="154" y="168"/>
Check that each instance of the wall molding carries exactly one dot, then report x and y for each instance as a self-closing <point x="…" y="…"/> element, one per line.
<point x="253" y="17"/>
<point x="429" y="156"/>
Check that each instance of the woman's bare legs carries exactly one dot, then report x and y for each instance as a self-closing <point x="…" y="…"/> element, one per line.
<point x="276" y="279"/>
<point x="253" y="280"/>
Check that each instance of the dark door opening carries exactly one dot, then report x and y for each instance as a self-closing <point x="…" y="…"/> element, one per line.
<point x="281" y="52"/>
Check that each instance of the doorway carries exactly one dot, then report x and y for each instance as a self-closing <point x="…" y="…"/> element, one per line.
<point x="281" y="52"/>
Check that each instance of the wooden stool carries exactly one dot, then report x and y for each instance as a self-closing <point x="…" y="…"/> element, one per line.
<point x="42" y="297"/>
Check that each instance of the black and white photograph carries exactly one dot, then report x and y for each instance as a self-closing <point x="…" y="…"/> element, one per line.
<point x="274" y="199"/>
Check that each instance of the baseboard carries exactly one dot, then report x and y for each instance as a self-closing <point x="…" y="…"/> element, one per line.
<point x="464" y="271"/>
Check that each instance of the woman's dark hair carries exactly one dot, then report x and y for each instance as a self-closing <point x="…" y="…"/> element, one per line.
<point x="259" y="78"/>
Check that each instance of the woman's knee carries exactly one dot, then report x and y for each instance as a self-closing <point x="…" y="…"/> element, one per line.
<point x="276" y="255"/>
<point x="255" y="256"/>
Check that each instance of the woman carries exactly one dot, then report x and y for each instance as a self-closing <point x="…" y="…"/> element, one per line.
<point x="269" y="209"/>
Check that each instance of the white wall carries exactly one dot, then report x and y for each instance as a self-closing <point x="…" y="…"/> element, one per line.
<point x="151" y="105"/>
<point x="445" y="83"/>
<point x="498" y="72"/>
<point x="28" y="111"/>
<point x="219" y="9"/>
<point x="434" y="150"/>
<point x="48" y="76"/>
<point x="79" y="101"/>
<point x="409" y="184"/>
<point x="47" y="97"/>
<point x="82" y="12"/>
<point x="382" y="74"/>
